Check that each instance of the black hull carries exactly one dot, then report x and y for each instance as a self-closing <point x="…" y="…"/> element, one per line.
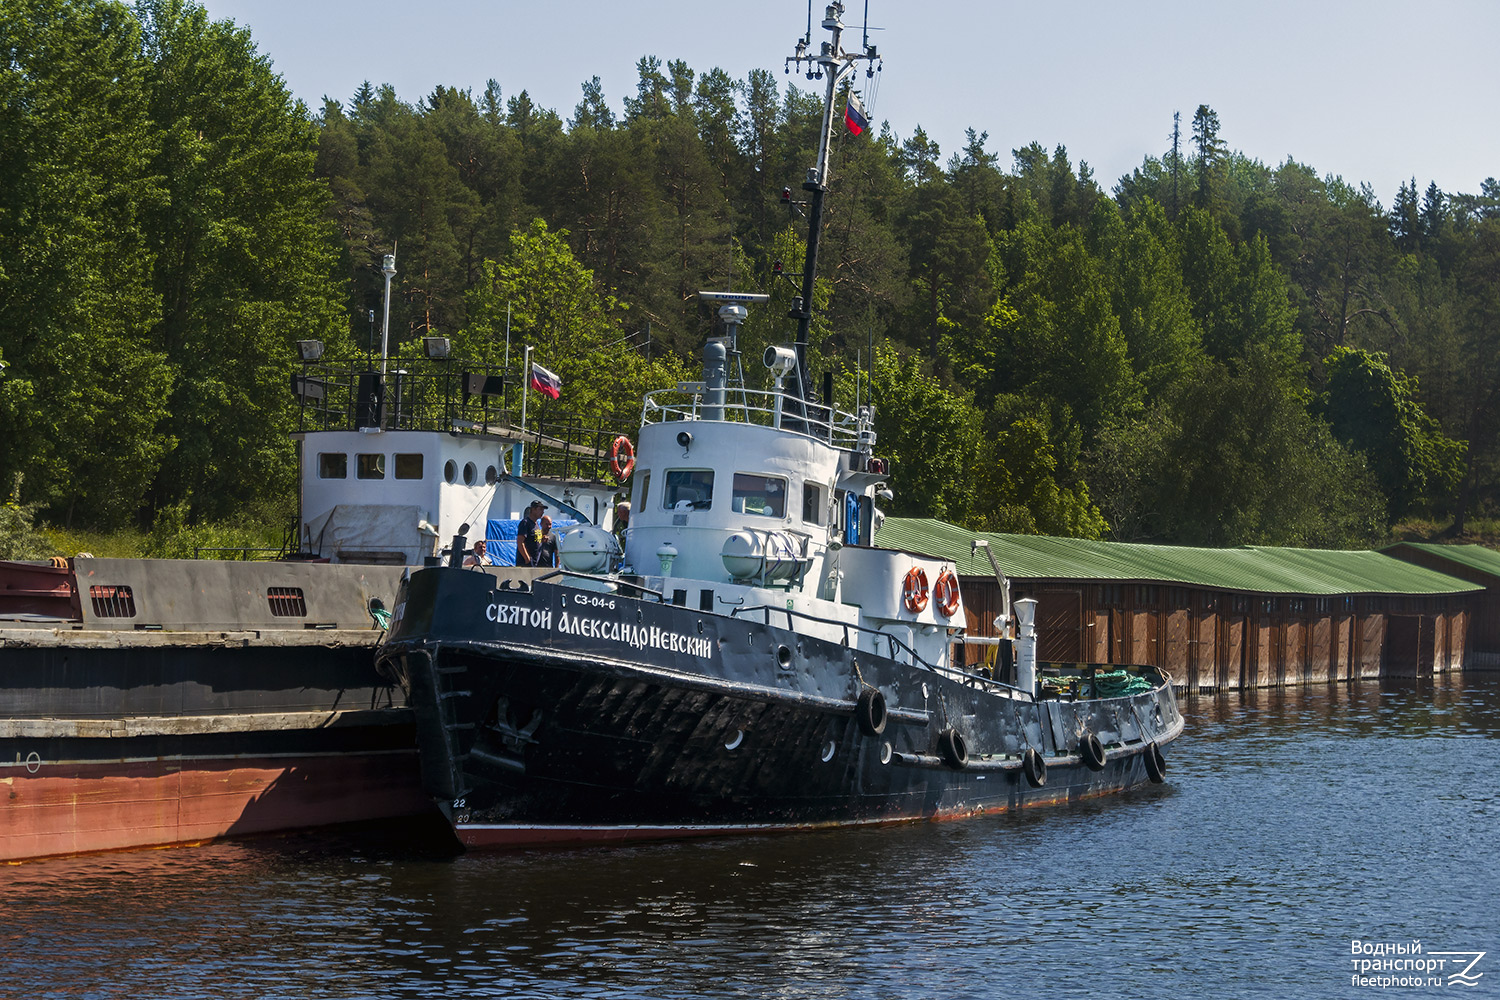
<point x="574" y="718"/>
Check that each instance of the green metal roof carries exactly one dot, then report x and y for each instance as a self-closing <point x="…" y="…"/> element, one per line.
<point x="1251" y="568"/>
<point x="1474" y="556"/>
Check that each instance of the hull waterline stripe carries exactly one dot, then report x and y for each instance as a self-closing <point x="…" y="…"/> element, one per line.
<point x="194" y="725"/>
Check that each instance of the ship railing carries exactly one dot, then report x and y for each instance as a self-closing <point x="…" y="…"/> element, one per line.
<point x="895" y="647"/>
<point x="425" y="394"/>
<point x="755" y="406"/>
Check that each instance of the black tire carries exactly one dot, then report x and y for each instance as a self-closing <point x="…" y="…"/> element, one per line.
<point x="953" y="749"/>
<point x="870" y="712"/>
<point x="1035" y="768"/>
<point x="1156" y="764"/>
<point x="1092" y="751"/>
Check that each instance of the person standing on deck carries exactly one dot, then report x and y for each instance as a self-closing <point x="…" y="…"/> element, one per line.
<point x="529" y="534"/>
<point x="546" y="552"/>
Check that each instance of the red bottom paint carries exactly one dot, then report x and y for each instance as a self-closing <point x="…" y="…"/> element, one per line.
<point x="81" y="808"/>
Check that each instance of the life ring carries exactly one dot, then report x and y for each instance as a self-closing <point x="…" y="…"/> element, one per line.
<point x="622" y="458"/>
<point x="1035" y="768"/>
<point x="945" y="593"/>
<point x="952" y="748"/>
<point x="914" y="590"/>
<point x="870" y="712"/>
<point x="1092" y="751"/>
<point x="1156" y="764"/>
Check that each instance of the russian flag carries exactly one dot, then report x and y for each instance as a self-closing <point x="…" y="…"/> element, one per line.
<point x="854" y="115"/>
<point x="545" y="382"/>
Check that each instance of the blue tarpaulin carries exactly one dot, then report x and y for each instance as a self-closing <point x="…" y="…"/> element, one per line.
<point x="500" y="538"/>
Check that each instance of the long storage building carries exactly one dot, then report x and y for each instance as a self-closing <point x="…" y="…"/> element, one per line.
<point x="1253" y="616"/>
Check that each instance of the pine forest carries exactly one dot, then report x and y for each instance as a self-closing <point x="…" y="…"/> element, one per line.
<point x="1209" y="351"/>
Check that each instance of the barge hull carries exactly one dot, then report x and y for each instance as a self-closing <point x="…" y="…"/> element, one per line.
<point x="82" y="807"/>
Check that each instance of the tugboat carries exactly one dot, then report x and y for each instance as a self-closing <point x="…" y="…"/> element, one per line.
<point x="749" y="660"/>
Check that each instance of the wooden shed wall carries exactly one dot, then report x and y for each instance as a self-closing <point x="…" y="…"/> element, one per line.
<point x="1209" y="639"/>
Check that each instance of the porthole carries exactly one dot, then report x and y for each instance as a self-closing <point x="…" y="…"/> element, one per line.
<point x="734" y="742"/>
<point x="784" y="657"/>
<point x="450" y="471"/>
<point x="828" y="749"/>
<point x="491" y="476"/>
<point x="471" y="474"/>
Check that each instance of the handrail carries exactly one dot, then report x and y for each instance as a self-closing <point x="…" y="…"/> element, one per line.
<point x="823" y="423"/>
<point x="891" y="640"/>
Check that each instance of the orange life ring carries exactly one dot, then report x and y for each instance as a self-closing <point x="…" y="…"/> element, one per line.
<point x="914" y="590"/>
<point x="945" y="593"/>
<point x="622" y="467"/>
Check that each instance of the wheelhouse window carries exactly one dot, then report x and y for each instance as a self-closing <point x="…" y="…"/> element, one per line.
<point x="644" y="495"/>
<point x="409" y="466"/>
<point x="370" y="466"/>
<point x="763" y="495"/>
<point x="694" y="487"/>
<point x="333" y="465"/>
<point x="812" y="503"/>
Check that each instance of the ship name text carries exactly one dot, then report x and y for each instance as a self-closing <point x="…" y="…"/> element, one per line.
<point x="636" y="636"/>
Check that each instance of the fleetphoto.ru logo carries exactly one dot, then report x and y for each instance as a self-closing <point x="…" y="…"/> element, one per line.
<point x="1405" y="965"/>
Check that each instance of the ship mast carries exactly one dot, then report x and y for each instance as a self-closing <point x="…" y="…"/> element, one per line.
<point x="832" y="62"/>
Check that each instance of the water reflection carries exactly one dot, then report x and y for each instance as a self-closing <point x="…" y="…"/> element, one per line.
<point x="1293" y="821"/>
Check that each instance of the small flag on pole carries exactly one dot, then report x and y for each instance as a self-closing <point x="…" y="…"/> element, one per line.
<point x="854" y="115"/>
<point x="545" y="382"/>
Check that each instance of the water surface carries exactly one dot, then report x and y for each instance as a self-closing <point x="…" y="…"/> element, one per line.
<point x="1292" y="823"/>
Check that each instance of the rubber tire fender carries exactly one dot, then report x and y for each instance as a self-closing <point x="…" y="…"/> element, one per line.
<point x="1092" y="751"/>
<point x="1034" y="767"/>
<point x="870" y="712"/>
<point x="953" y="749"/>
<point x="1156" y="764"/>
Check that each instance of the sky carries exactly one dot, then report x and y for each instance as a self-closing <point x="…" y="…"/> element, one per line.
<point x="1373" y="91"/>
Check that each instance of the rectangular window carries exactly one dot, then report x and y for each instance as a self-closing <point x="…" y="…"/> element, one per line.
<point x="409" y="466"/>
<point x="287" y="602"/>
<point x="112" y="602"/>
<point x="812" y="503"/>
<point x="689" y="488"/>
<point x="763" y="495"/>
<point x="370" y="466"/>
<point x="333" y="465"/>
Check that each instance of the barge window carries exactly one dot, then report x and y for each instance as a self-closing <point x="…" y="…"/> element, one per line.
<point x="763" y="495"/>
<point x="471" y="474"/>
<point x="333" y="465"/>
<point x="287" y="602"/>
<point x="450" y="472"/>
<point x="640" y="501"/>
<point x="694" y="487"/>
<point x="409" y="466"/>
<point x="370" y="466"/>
<point x="112" y="602"/>
<point x="812" y="503"/>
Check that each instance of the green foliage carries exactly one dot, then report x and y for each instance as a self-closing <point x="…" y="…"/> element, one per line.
<point x="1231" y="456"/>
<point x="555" y="307"/>
<point x="19" y="537"/>
<point x="173" y="535"/>
<point x="1374" y="410"/>
<point x="931" y="433"/>
<point x="1026" y="490"/>
<point x="171" y="220"/>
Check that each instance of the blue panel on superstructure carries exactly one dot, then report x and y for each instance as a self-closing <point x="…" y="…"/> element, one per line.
<point x="500" y="538"/>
